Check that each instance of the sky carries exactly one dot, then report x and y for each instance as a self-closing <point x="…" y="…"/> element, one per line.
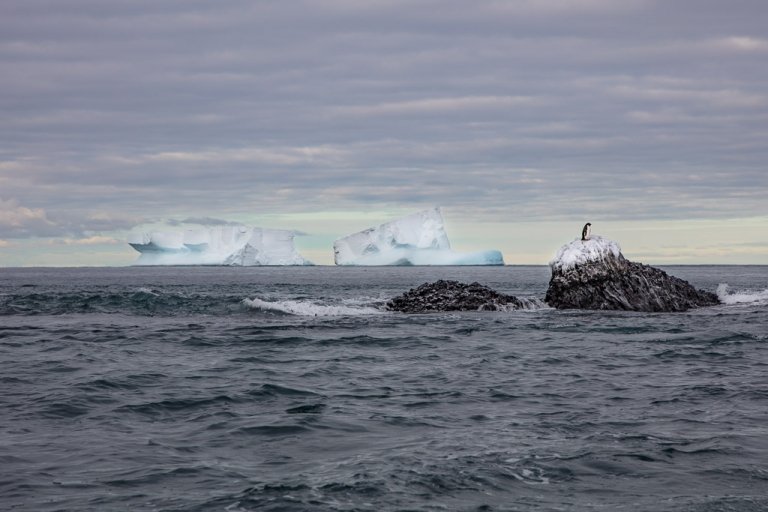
<point x="521" y="119"/>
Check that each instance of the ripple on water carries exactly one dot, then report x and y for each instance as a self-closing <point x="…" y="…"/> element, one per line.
<point x="177" y="397"/>
<point x="170" y="407"/>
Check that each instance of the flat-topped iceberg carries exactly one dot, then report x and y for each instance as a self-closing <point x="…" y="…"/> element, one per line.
<point x="417" y="239"/>
<point x="218" y="245"/>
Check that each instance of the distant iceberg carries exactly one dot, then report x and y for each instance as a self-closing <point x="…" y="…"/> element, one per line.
<point x="218" y="245"/>
<point x="417" y="239"/>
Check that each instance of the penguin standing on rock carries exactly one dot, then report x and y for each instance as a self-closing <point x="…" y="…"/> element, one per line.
<point x="585" y="232"/>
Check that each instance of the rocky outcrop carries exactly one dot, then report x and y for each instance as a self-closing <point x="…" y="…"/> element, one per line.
<point x="593" y="274"/>
<point x="454" y="296"/>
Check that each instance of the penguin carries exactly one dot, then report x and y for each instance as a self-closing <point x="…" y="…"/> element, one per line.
<point x="585" y="231"/>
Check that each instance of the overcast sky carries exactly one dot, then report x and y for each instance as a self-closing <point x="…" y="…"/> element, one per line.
<point x="523" y="119"/>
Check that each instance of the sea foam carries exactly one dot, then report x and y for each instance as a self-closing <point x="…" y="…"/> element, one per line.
<point x="741" y="297"/>
<point x="307" y="308"/>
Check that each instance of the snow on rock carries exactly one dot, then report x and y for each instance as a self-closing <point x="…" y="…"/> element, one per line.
<point x="593" y="274"/>
<point x="218" y="245"/>
<point x="417" y="239"/>
<point x="578" y="252"/>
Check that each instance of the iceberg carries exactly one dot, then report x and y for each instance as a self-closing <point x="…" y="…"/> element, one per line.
<point x="417" y="239"/>
<point x="236" y="245"/>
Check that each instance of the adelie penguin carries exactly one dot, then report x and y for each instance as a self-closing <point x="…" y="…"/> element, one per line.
<point x="585" y="232"/>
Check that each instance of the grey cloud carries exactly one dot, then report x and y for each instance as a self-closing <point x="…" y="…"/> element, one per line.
<point x="203" y="221"/>
<point x="525" y="109"/>
<point x="19" y="221"/>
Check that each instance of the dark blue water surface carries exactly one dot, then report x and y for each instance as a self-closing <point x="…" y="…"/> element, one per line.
<point x="237" y="389"/>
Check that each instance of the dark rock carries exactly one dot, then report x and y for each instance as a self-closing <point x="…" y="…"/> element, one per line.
<point x="612" y="282"/>
<point x="454" y="296"/>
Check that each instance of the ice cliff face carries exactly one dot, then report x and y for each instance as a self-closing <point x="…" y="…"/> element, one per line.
<point x="593" y="274"/>
<point x="417" y="239"/>
<point x="218" y="245"/>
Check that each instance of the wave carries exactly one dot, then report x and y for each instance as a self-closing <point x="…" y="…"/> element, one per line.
<point x="527" y="304"/>
<point x="307" y="308"/>
<point x="355" y="307"/>
<point x="729" y="297"/>
<point x="137" y="301"/>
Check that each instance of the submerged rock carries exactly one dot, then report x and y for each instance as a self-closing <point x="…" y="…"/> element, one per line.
<point x="593" y="274"/>
<point x="454" y="296"/>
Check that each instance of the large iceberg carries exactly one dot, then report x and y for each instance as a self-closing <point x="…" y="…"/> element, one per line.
<point x="235" y="245"/>
<point x="417" y="239"/>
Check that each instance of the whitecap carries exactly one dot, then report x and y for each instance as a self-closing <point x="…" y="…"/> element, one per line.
<point x="148" y="291"/>
<point x="307" y="308"/>
<point x="534" y="476"/>
<point x="729" y="297"/>
<point x="526" y="304"/>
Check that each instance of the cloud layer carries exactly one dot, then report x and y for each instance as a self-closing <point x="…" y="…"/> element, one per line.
<point x="120" y="113"/>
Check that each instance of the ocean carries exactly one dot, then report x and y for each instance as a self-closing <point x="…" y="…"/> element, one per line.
<point x="292" y="389"/>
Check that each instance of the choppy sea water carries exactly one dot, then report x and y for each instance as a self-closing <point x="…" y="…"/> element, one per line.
<point x="238" y="389"/>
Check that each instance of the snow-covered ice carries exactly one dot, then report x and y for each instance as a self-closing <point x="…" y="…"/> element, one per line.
<point x="417" y="239"/>
<point x="581" y="251"/>
<point x="218" y="245"/>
